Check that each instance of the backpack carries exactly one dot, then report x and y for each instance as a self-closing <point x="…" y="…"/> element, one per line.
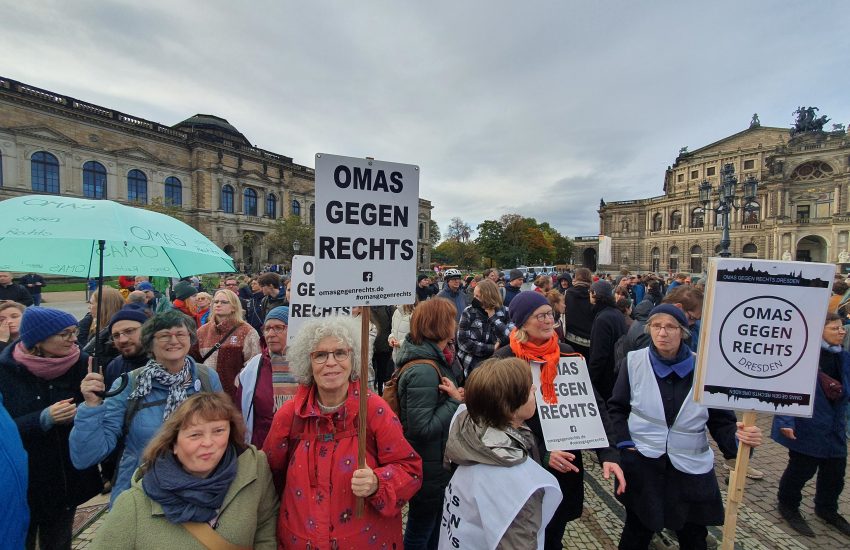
<point x="391" y="395"/>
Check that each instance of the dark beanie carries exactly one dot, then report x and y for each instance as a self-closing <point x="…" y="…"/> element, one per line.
<point x="40" y="323"/>
<point x="420" y="277"/>
<point x="602" y="288"/>
<point x="669" y="309"/>
<point x="515" y="274"/>
<point x="523" y="305"/>
<point x="184" y="290"/>
<point x="128" y="313"/>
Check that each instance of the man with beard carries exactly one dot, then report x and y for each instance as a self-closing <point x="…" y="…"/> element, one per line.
<point x="126" y="334"/>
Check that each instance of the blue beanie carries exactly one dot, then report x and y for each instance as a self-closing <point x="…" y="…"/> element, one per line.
<point x="40" y="323"/>
<point x="128" y="313"/>
<point x="281" y="313"/>
<point x="671" y="310"/>
<point x="524" y="304"/>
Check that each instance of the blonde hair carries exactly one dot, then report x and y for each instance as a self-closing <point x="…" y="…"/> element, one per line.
<point x="488" y="294"/>
<point x="238" y="316"/>
<point x="111" y="303"/>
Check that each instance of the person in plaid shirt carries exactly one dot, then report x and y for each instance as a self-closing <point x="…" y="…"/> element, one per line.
<point x="483" y="327"/>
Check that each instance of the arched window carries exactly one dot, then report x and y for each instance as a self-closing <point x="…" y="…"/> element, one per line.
<point x="750" y="250"/>
<point x="271" y="206"/>
<point x="696" y="259"/>
<point x="811" y="171"/>
<point x="656" y="259"/>
<point x="137" y="186"/>
<point x="296" y="208"/>
<point x="312" y="214"/>
<point x="675" y="220"/>
<point x="656" y="222"/>
<point x="94" y="180"/>
<point x="227" y="199"/>
<point x="173" y="191"/>
<point x="698" y="217"/>
<point x="674" y="259"/>
<point x="250" y="198"/>
<point x="751" y="212"/>
<point x="45" y="172"/>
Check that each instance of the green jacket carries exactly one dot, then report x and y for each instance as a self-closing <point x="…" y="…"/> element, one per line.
<point x="248" y="516"/>
<point x="425" y="414"/>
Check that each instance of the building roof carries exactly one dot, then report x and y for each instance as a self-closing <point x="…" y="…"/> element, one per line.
<point x="214" y="124"/>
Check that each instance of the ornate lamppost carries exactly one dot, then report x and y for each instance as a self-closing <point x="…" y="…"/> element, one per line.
<point x="725" y="198"/>
<point x="296" y="247"/>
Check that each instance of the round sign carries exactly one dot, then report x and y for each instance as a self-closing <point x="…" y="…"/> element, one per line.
<point x="764" y="337"/>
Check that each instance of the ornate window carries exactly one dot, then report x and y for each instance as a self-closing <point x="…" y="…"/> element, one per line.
<point x="271" y="205"/>
<point x="751" y="212"/>
<point x="812" y="171"/>
<point x="45" y="172"/>
<point x="227" y="199"/>
<point x="137" y="186"/>
<point x="656" y="260"/>
<point x="750" y="250"/>
<point x="296" y="208"/>
<point x="250" y="198"/>
<point x="312" y="214"/>
<point x="656" y="222"/>
<point x="173" y="191"/>
<point x="696" y="259"/>
<point x="674" y="259"/>
<point x="675" y="220"/>
<point x="698" y="217"/>
<point x="94" y="180"/>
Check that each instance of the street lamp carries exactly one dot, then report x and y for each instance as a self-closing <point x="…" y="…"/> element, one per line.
<point x="726" y="201"/>
<point x="296" y="246"/>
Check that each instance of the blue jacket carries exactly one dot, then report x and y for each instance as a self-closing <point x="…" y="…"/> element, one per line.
<point x="823" y="435"/>
<point x="457" y="298"/>
<point x="97" y="429"/>
<point x="15" y="519"/>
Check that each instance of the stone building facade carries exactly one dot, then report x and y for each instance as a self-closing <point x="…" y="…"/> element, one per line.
<point x="228" y="189"/>
<point x="801" y="210"/>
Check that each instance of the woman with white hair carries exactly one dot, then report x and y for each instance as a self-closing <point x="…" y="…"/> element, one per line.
<point x="312" y="448"/>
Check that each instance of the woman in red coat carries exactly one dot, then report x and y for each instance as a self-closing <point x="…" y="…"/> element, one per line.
<point x="312" y="449"/>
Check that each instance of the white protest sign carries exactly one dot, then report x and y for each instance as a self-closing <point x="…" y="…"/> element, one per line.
<point x="574" y="422"/>
<point x="762" y="325"/>
<point x="302" y="304"/>
<point x="367" y="213"/>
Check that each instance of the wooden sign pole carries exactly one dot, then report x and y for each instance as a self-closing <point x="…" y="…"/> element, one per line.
<point x="365" y="314"/>
<point x="737" y="480"/>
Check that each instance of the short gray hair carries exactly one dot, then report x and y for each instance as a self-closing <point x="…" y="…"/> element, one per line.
<point x="686" y="332"/>
<point x="166" y="320"/>
<point x="343" y="328"/>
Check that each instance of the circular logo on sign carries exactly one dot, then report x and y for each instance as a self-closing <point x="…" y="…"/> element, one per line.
<point x="763" y="337"/>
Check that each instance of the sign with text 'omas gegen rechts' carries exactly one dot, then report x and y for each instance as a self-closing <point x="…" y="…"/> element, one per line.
<point x="367" y="213"/>
<point x="302" y="297"/>
<point x="762" y="325"/>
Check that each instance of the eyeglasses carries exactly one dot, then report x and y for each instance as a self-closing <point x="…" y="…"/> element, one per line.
<point x="541" y="317"/>
<point x="278" y="329"/>
<point x="666" y="328"/>
<point x="691" y="317"/>
<point x="321" y="357"/>
<point x="839" y="328"/>
<point x="124" y="333"/>
<point x="222" y="302"/>
<point x="165" y="337"/>
<point x="70" y="334"/>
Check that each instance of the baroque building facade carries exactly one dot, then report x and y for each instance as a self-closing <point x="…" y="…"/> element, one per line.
<point x="801" y="210"/>
<point x="228" y="189"/>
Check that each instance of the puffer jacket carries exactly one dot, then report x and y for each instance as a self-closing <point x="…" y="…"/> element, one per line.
<point x="313" y="456"/>
<point x="97" y="430"/>
<point x="470" y="444"/>
<point x="247" y="517"/>
<point x="54" y="482"/>
<point x="426" y="413"/>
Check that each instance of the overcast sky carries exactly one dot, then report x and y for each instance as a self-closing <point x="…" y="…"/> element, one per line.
<point x="535" y="108"/>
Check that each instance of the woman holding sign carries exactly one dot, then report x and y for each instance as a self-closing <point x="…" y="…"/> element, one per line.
<point x="535" y="341"/>
<point x="661" y="433"/>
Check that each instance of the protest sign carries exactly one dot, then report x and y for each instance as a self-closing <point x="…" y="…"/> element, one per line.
<point x="574" y="422"/>
<point x="367" y="213"/>
<point x="762" y="323"/>
<point x="302" y="302"/>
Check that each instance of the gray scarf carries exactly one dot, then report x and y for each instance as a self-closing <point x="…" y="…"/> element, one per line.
<point x="176" y="383"/>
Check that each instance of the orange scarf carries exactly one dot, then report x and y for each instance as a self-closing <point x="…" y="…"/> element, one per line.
<point x="549" y="354"/>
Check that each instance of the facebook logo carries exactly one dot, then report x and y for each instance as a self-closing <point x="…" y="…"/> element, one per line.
<point x="367" y="276"/>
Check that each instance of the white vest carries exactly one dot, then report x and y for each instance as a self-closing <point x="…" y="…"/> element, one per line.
<point x="686" y="442"/>
<point x="248" y="381"/>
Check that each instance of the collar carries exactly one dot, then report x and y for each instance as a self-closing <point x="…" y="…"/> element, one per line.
<point x="682" y="365"/>
<point x="832" y="349"/>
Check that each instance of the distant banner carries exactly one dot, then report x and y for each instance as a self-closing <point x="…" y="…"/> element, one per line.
<point x="604" y="250"/>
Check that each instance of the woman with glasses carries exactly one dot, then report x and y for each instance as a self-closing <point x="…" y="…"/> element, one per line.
<point x="226" y="342"/>
<point x="662" y="436"/>
<point x="40" y="375"/>
<point x="131" y="418"/>
<point x="312" y="449"/>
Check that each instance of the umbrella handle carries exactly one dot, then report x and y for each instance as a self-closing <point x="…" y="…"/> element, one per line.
<point x="125" y="379"/>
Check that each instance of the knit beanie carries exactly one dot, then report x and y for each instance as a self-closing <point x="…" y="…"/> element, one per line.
<point x="514" y="274"/>
<point x="281" y="313"/>
<point x="128" y="313"/>
<point x="602" y="288"/>
<point x="144" y="286"/>
<point x="183" y="290"/>
<point x="40" y="323"/>
<point x="523" y="305"/>
<point x="420" y="277"/>
<point x="669" y="309"/>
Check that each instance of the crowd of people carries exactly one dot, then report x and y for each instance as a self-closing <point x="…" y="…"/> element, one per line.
<point x="229" y="434"/>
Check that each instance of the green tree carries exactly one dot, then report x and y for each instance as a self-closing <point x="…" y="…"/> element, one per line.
<point x="434" y="232"/>
<point x="158" y="205"/>
<point x="489" y="241"/>
<point x="286" y="231"/>
<point x="464" y="255"/>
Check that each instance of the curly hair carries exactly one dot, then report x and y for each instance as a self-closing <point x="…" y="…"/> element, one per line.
<point x="166" y="320"/>
<point x="344" y="329"/>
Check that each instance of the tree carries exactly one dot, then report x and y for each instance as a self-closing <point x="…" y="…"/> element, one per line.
<point x="285" y="232"/>
<point x="158" y="205"/>
<point x="434" y="232"/>
<point x="489" y="241"/>
<point x="464" y="255"/>
<point x="458" y="230"/>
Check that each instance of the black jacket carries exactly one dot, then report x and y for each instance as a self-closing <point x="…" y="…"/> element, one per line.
<point x="608" y="326"/>
<point x="510" y="292"/>
<point x="16" y="293"/>
<point x="54" y="482"/>
<point x="579" y="311"/>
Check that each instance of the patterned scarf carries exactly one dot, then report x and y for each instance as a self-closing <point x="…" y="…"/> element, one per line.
<point x="284" y="383"/>
<point x="549" y="354"/>
<point x="176" y="383"/>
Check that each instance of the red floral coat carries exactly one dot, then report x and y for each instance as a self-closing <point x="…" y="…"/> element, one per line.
<point x="313" y="456"/>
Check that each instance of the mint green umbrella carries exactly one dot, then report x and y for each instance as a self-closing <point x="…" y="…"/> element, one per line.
<point x="60" y="235"/>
